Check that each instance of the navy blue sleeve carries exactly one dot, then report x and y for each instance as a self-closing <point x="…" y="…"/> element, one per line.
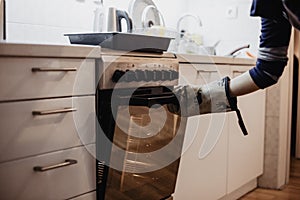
<point x="270" y="9"/>
<point x="272" y="56"/>
<point x="275" y="33"/>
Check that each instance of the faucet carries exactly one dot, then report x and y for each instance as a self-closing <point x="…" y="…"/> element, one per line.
<point x="181" y="33"/>
<point x="196" y="18"/>
<point x="233" y="53"/>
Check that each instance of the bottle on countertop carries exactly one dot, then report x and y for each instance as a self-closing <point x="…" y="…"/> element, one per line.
<point x="99" y="16"/>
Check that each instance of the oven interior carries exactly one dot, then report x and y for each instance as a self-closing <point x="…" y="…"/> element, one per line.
<point x="139" y="144"/>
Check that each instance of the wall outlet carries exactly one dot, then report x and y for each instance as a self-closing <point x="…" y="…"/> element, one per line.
<point x="231" y="12"/>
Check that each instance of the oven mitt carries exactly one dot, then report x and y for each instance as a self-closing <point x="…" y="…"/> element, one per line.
<point x="210" y="98"/>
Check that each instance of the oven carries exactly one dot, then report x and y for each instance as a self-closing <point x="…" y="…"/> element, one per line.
<point x="138" y="141"/>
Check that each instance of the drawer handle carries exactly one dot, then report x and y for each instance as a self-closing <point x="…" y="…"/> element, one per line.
<point x="38" y="69"/>
<point x="67" y="162"/>
<point x="206" y="71"/>
<point x="238" y="72"/>
<point x="50" y="112"/>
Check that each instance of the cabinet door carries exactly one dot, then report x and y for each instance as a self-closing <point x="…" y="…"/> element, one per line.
<point x="30" y="78"/>
<point x="203" y="165"/>
<point x="58" y="124"/>
<point x="245" y="153"/>
<point x="58" y="175"/>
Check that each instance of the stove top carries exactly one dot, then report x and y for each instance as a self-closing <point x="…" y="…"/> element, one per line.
<point x="135" y="69"/>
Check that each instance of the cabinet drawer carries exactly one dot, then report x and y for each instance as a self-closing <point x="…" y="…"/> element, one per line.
<point x="75" y="176"/>
<point x="200" y="74"/>
<point x="239" y="70"/>
<point x="24" y="133"/>
<point x="29" y="78"/>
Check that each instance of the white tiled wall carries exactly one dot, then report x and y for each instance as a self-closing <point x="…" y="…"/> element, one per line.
<point x="45" y="21"/>
<point x="233" y="32"/>
<point x="58" y="13"/>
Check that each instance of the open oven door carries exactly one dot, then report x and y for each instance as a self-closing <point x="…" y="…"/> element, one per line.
<point x="146" y="145"/>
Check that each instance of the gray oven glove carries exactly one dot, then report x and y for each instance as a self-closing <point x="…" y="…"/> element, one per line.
<point x="210" y="98"/>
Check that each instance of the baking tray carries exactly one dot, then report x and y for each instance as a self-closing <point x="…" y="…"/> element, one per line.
<point x="122" y="41"/>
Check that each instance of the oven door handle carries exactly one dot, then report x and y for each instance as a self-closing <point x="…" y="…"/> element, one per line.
<point x="148" y="100"/>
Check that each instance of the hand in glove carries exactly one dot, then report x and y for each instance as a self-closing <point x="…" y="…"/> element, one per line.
<point x="210" y="98"/>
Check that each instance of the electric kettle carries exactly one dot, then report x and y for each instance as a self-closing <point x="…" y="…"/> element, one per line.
<point x="114" y="21"/>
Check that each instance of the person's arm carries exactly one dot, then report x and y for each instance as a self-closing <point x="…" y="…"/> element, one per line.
<point x="242" y="85"/>
<point x="272" y="58"/>
<point x="221" y="96"/>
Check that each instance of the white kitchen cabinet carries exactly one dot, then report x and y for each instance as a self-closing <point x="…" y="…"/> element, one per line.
<point x="30" y="78"/>
<point x="35" y="134"/>
<point x="19" y="180"/>
<point x="202" y="178"/>
<point x="218" y="161"/>
<point x="245" y="153"/>
<point x="47" y="121"/>
<point x="203" y="166"/>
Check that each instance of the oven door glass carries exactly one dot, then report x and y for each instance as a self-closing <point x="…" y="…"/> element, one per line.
<point x="145" y="155"/>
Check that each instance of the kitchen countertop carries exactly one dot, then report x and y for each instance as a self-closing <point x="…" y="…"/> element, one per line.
<point x="49" y="50"/>
<point x="204" y="59"/>
<point x="89" y="51"/>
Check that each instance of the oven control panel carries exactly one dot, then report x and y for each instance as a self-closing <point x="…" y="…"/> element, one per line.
<point x="144" y="75"/>
<point x="126" y="72"/>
